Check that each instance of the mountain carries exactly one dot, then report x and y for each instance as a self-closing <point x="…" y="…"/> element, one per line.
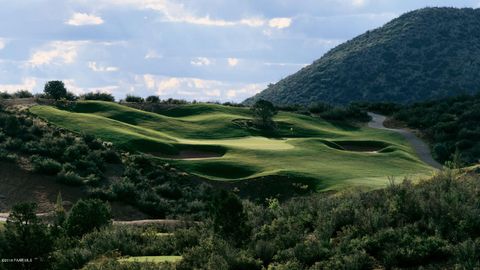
<point x="424" y="54"/>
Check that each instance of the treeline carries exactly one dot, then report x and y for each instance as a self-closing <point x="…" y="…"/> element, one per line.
<point x="57" y="90"/>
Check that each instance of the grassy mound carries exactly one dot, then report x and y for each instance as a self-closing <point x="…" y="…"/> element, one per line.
<point x="203" y="139"/>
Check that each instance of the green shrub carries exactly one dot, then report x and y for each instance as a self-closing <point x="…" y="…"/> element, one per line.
<point x="6" y="156"/>
<point x="86" y="216"/>
<point x="13" y="144"/>
<point x="98" y="96"/>
<point x="132" y="98"/>
<point x="70" y="178"/>
<point x="22" y="94"/>
<point x="5" y="95"/>
<point x="45" y="165"/>
<point x="152" y="99"/>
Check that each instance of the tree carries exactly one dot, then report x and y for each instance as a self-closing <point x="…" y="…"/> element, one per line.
<point x="27" y="239"/>
<point x="153" y="99"/>
<point x="55" y="89"/>
<point x="229" y="218"/>
<point x="99" y="96"/>
<point x="263" y="112"/>
<point x="132" y="98"/>
<point x="23" y="94"/>
<point x="60" y="214"/>
<point x="70" y="96"/>
<point x="86" y="216"/>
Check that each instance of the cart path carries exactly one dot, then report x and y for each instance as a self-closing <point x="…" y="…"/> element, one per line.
<point x="421" y="148"/>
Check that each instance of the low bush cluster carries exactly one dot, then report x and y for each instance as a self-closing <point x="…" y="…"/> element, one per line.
<point x="98" y="96"/>
<point x="158" y="190"/>
<point x="73" y="159"/>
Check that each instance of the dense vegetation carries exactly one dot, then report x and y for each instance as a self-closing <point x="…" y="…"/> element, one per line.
<point x="433" y="225"/>
<point x="421" y="55"/>
<point x="452" y="125"/>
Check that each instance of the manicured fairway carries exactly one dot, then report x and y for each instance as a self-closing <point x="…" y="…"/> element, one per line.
<point x="331" y="156"/>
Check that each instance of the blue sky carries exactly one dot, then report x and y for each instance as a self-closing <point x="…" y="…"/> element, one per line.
<point x="209" y="50"/>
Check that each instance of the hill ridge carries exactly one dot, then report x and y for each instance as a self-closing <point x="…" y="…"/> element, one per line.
<point x="423" y="54"/>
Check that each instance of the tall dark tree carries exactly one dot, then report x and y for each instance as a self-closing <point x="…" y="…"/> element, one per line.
<point x="55" y="89"/>
<point x="229" y="218"/>
<point x="86" y="216"/>
<point x="26" y="239"/>
<point x="263" y="112"/>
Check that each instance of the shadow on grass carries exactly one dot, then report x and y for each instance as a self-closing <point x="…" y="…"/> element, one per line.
<point x="275" y="186"/>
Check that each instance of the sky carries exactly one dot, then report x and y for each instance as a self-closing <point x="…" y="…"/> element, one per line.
<point x="205" y="50"/>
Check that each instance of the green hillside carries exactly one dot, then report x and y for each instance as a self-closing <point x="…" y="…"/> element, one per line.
<point x="204" y="139"/>
<point x="428" y="53"/>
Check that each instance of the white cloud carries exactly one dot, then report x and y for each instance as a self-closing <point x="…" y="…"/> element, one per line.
<point x="232" y="61"/>
<point x="71" y="86"/>
<point x="2" y="43"/>
<point x="200" y="61"/>
<point x="152" y="54"/>
<point x="358" y="2"/>
<point x="245" y="91"/>
<point x="196" y="88"/>
<point x="58" y="52"/>
<point x="93" y="66"/>
<point x="167" y="85"/>
<point x="213" y="93"/>
<point x="280" y="23"/>
<point x="160" y="85"/>
<point x="175" y="12"/>
<point x="27" y="84"/>
<point x="79" y="19"/>
<point x="149" y="81"/>
<point x="253" y="22"/>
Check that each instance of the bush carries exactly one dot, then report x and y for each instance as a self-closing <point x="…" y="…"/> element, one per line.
<point x="70" y="96"/>
<point x="263" y="112"/>
<point x="22" y="94"/>
<point x="45" y="165"/>
<point x="69" y="178"/>
<point x="26" y="237"/>
<point x="131" y="98"/>
<point x="86" y="216"/>
<point x="55" y="89"/>
<point x="153" y="99"/>
<point x="319" y="107"/>
<point x="99" y="96"/>
<point x="6" y="156"/>
<point x="5" y="95"/>
<point x="11" y="125"/>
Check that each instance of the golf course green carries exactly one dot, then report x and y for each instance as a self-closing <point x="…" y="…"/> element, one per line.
<point x="207" y="140"/>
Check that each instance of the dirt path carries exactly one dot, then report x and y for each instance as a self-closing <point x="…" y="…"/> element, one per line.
<point x="420" y="147"/>
<point x="141" y="222"/>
